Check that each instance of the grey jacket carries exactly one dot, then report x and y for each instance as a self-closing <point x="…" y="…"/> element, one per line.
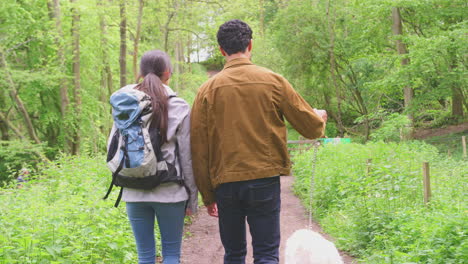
<point x="178" y="131"/>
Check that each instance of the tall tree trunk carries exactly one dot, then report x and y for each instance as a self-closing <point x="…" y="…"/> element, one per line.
<point x="5" y="122"/>
<point x="3" y="125"/>
<point x="57" y="16"/>
<point x="76" y="140"/>
<point x="189" y="52"/>
<point x="166" y="30"/>
<point x="179" y="60"/>
<point x="262" y="17"/>
<point x="106" y="73"/>
<point x="333" y="69"/>
<point x="19" y="103"/>
<point x="4" y="131"/>
<point x="4" y="119"/>
<point x="179" y="51"/>
<point x="123" y="44"/>
<point x="397" y="29"/>
<point x="137" y="39"/>
<point x="457" y="101"/>
<point x="457" y="94"/>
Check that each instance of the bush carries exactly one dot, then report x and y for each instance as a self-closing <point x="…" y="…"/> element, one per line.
<point x="393" y="128"/>
<point x="214" y="63"/>
<point x="189" y="82"/>
<point x="15" y="155"/>
<point x="380" y="216"/>
<point x="61" y="218"/>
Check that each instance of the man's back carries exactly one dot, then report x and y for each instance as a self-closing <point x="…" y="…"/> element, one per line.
<point x="238" y="139"/>
<point x="244" y="106"/>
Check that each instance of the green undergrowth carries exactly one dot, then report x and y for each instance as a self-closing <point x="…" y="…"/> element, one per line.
<point x="60" y="217"/>
<point x="377" y="212"/>
<point x="449" y="144"/>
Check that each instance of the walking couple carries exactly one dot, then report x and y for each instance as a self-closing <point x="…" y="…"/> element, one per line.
<point x="231" y="146"/>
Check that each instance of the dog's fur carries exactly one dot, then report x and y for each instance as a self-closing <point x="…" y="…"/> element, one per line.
<point x="308" y="247"/>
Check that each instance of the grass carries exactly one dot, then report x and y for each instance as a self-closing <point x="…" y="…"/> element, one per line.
<point x="380" y="216"/>
<point x="450" y="144"/>
<point x="60" y="217"/>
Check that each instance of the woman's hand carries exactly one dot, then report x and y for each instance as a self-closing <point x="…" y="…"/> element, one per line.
<point x="188" y="212"/>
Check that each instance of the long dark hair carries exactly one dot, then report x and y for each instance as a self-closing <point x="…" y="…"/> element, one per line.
<point x="153" y="64"/>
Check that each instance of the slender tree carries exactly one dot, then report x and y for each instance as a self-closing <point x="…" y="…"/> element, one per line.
<point x="137" y="39"/>
<point x="57" y="16"/>
<point x="9" y="125"/>
<point x="333" y="67"/>
<point x="106" y="72"/>
<point x="76" y="140"/>
<point x="123" y="43"/>
<point x="397" y="29"/>
<point x="3" y="121"/>
<point x="19" y="103"/>
<point x="457" y="95"/>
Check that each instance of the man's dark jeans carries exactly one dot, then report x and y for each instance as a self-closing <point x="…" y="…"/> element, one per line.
<point x="259" y="201"/>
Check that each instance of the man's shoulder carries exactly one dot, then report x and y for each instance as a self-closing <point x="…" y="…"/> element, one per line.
<point x="207" y="84"/>
<point x="268" y="73"/>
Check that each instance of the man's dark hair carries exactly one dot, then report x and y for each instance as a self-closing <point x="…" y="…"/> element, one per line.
<point x="234" y="36"/>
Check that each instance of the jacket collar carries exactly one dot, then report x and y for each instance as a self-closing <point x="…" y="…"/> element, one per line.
<point x="169" y="91"/>
<point x="237" y="62"/>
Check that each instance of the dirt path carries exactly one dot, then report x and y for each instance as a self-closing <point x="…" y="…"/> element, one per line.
<point x="434" y="132"/>
<point x="203" y="245"/>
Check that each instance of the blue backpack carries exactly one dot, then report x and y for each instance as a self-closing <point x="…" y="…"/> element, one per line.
<point x="134" y="146"/>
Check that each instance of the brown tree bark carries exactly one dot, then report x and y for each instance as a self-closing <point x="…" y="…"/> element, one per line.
<point x="457" y="95"/>
<point x="137" y="39"/>
<point x="397" y="29"/>
<point x="106" y="73"/>
<point x="57" y="16"/>
<point x="179" y="60"/>
<point x="333" y="69"/>
<point x="457" y="101"/>
<point x="3" y="125"/>
<point x="19" y="103"/>
<point x="75" y="30"/>
<point x="262" y="17"/>
<point x="123" y="43"/>
<point x="4" y="131"/>
<point x="5" y="122"/>
<point x="4" y="119"/>
<point x="166" y="30"/>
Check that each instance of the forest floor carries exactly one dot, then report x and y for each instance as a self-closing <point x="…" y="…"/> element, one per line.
<point x="435" y="132"/>
<point x="202" y="243"/>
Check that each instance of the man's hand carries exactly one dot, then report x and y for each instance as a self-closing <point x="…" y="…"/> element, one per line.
<point x="322" y="113"/>
<point x="212" y="209"/>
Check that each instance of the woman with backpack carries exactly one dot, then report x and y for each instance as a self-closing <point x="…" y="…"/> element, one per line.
<point x="168" y="202"/>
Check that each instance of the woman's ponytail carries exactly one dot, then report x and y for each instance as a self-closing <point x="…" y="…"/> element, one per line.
<point x="153" y="64"/>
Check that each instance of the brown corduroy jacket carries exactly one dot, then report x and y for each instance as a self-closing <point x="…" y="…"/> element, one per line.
<point x="237" y="126"/>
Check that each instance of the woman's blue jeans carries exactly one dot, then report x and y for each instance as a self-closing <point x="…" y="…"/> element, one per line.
<point x="170" y="217"/>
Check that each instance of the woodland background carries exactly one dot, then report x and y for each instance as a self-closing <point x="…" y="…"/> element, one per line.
<point x="384" y="70"/>
<point x="381" y="68"/>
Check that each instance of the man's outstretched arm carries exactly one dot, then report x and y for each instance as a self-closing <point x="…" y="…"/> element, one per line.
<point x="307" y="121"/>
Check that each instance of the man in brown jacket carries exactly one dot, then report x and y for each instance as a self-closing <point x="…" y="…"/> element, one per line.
<point x="239" y="146"/>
